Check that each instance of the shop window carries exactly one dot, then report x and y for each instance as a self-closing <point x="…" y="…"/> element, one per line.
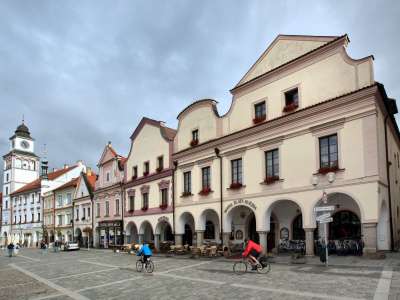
<point x="272" y="165"/>
<point x="345" y="226"/>
<point x="328" y="154"/>
<point x="209" y="232"/>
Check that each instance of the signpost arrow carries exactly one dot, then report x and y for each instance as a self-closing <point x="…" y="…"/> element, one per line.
<point x="323" y="216"/>
<point x="324" y="208"/>
<point x="328" y="220"/>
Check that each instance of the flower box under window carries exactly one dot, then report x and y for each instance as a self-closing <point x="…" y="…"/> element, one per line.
<point x="159" y="169"/>
<point x="163" y="206"/>
<point x="144" y="208"/>
<point x="326" y="170"/>
<point x="186" y="194"/>
<point x="236" y="185"/>
<point x="205" y="191"/>
<point x="145" y="173"/>
<point x="290" y="107"/>
<point x="194" y="143"/>
<point x="259" y="119"/>
<point x="271" y="179"/>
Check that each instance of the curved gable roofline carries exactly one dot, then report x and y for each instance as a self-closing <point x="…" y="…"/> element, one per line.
<point x="108" y="147"/>
<point x="191" y="106"/>
<point x="167" y="133"/>
<point x="329" y="39"/>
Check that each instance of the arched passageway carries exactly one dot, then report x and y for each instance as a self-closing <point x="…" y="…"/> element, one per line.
<point x="163" y="238"/>
<point x="146" y="234"/>
<point x="132" y="235"/>
<point x="185" y="229"/>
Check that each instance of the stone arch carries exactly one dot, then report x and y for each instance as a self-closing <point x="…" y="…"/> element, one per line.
<point x="146" y="232"/>
<point x="238" y="221"/>
<point x="164" y="230"/>
<point x="210" y="215"/>
<point x="284" y="212"/>
<point x="343" y="199"/>
<point x="383" y="228"/>
<point x="186" y="227"/>
<point x="132" y="235"/>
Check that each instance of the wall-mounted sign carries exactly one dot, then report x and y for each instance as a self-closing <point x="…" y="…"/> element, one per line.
<point x="239" y="202"/>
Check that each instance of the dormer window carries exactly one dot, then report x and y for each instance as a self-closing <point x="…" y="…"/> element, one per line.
<point x="195" y="138"/>
<point x="259" y="112"/>
<point x="291" y="100"/>
<point x="146" y="168"/>
<point x="160" y="163"/>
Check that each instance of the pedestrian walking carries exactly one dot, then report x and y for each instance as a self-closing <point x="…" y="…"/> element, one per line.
<point x="10" y="249"/>
<point x="43" y="247"/>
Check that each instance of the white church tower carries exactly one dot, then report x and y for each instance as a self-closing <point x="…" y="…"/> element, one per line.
<point x="21" y="166"/>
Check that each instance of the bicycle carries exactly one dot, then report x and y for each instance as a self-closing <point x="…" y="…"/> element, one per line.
<point x="148" y="265"/>
<point x="263" y="266"/>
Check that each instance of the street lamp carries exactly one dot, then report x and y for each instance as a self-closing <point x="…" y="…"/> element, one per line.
<point x="326" y="217"/>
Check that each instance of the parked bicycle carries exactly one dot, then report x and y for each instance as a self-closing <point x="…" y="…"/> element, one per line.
<point x="147" y="265"/>
<point x="263" y="265"/>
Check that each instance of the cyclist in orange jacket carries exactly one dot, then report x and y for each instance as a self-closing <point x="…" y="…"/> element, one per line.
<point x="252" y="251"/>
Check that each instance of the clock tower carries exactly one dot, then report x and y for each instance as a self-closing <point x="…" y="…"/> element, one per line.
<point x="21" y="166"/>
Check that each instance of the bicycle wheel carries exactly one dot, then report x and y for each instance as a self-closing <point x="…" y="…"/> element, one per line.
<point x="240" y="267"/>
<point x="139" y="266"/>
<point x="149" y="267"/>
<point x="263" y="268"/>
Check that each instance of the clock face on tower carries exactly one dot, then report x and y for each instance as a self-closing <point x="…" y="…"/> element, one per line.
<point x="24" y="145"/>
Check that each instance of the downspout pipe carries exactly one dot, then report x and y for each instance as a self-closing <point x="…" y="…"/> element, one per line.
<point x="217" y="153"/>
<point x="173" y="196"/>
<point x="388" y="163"/>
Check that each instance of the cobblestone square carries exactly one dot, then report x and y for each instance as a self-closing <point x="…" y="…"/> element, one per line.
<point x="98" y="274"/>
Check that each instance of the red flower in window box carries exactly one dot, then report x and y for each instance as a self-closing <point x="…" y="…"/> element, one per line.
<point x="235" y="185"/>
<point x="144" y="208"/>
<point x="194" y="143"/>
<point x="205" y="191"/>
<point x="186" y="194"/>
<point x="259" y="119"/>
<point x="271" y="179"/>
<point x="163" y="206"/>
<point x="159" y="169"/>
<point x="326" y="170"/>
<point x="145" y="173"/>
<point x="290" y="107"/>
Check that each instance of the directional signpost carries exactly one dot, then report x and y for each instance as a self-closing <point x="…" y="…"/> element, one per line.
<point x="325" y="218"/>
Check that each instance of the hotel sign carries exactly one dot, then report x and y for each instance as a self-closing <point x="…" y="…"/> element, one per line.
<point x="239" y="202"/>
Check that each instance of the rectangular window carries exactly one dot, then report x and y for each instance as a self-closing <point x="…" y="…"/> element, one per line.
<point x="38" y="198"/>
<point x="20" y="219"/>
<point x="33" y="218"/>
<point x="68" y="219"/>
<point x="107" y="209"/>
<point x="236" y="171"/>
<point x="7" y="177"/>
<point x="77" y="214"/>
<point x="15" y="219"/>
<point x="59" y="201"/>
<point x="69" y="198"/>
<point x="134" y="172"/>
<point x="164" y="197"/>
<point x="292" y="97"/>
<point x="33" y="198"/>
<point x="6" y="190"/>
<point x="6" y="204"/>
<point x="25" y="199"/>
<point x="145" y="204"/>
<point x="187" y="182"/>
<point x="206" y="178"/>
<point x="59" y="219"/>
<point x="108" y="176"/>
<point x="195" y="135"/>
<point x="117" y="207"/>
<point x="88" y="212"/>
<point x="259" y="110"/>
<point x="24" y="218"/>
<point x="38" y="217"/>
<point x="160" y="163"/>
<point x="272" y="164"/>
<point x="146" y="168"/>
<point x="328" y="152"/>
<point x="98" y="210"/>
<point x="83" y="213"/>
<point x="131" y="203"/>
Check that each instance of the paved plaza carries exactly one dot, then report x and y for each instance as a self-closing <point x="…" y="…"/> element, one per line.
<point x="102" y="274"/>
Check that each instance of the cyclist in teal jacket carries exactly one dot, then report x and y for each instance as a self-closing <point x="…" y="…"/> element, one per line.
<point x="144" y="251"/>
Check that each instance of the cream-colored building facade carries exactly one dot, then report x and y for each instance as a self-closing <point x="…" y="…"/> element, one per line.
<point x="305" y="120"/>
<point x="148" y="211"/>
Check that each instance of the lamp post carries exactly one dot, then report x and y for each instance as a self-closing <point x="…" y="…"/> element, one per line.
<point x="325" y="219"/>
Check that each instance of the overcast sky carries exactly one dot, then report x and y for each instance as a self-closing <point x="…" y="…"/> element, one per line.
<point x="85" y="72"/>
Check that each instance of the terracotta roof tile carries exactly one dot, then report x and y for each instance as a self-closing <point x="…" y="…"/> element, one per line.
<point x="37" y="184"/>
<point x="71" y="183"/>
<point x="92" y="180"/>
